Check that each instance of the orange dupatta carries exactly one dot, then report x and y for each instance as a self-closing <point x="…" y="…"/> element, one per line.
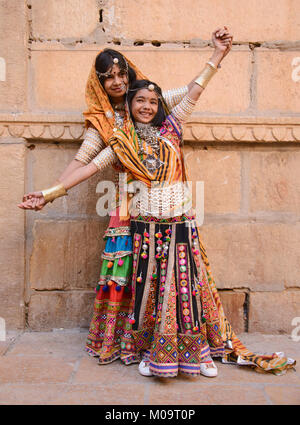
<point x="100" y="112"/>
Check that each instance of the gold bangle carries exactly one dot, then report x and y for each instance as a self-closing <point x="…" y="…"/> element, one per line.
<point x="54" y="192"/>
<point x="207" y="73"/>
<point x="211" y="64"/>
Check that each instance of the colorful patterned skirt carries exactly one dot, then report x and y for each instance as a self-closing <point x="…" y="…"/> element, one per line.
<point x="113" y="300"/>
<point x="177" y="320"/>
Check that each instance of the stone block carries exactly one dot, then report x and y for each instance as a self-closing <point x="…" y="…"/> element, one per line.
<point x="281" y="395"/>
<point x="66" y="254"/>
<point x="46" y="164"/>
<point x="274" y="181"/>
<point x="174" y="20"/>
<point x="12" y="157"/>
<point x="88" y="374"/>
<point x="58" y="19"/>
<point x="181" y="65"/>
<point x="258" y="256"/>
<point x="13" y="55"/>
<point x="220" y="172"/>
<point x="233" y="305"/>
<point x="200" y="392"/>
<point x="59" y="309"/>
<point x="28" y="393"/>
<point x="62" y="343"/>
<point x="277" y="81"/>
<point x="105" y="395"/>
<point x="66" y="74"/>
<point x="273" y="312"/>
<point x="24" y="370"/>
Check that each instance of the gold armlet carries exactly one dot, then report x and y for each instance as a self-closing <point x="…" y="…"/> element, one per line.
<point x="54" y="192"/>
<point x="207" y="73"/>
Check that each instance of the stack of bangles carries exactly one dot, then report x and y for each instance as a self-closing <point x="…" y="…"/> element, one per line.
<point x="207" y="73"/>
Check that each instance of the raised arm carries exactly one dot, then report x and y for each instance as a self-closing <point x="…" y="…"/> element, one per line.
<point x="222" y="41"/>
<point x="174" y="96"/>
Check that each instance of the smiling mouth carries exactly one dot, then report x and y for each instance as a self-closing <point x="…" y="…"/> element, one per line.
<point x="121" y="87"/>
<point x="146" y="117"/>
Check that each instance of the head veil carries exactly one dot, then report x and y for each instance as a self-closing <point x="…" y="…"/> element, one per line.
<point x="100" y="112"/>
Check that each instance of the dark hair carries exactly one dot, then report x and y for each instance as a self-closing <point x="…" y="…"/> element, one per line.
<point x="143" y="84"/>
<point x="104" y="61"/>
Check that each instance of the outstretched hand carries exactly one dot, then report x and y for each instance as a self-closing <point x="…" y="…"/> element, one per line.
<point x="222" y="40"/>
<point x="33" y="201"/>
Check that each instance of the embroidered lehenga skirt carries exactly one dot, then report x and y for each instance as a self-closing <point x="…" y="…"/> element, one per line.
<point x="174" y="320"/>
<point x="177" y="320"/>
<point x="113" y="300"/>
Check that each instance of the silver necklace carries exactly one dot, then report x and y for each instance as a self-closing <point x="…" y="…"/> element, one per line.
<point x="151" y="136"/>
<point x="118" y="120"/>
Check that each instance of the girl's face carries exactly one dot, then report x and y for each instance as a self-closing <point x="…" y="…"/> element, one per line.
<point x="116" y="83"/>
<point x="144" y="106"/>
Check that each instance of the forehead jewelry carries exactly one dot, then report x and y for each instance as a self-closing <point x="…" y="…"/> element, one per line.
<point x="122" y="67"/>
<point x="150" y="87"/>
<point x="104" y="74"/>
<point x="108" y="72"/>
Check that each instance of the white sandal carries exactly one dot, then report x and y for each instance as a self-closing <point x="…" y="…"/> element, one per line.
<point x="208" y="369"/>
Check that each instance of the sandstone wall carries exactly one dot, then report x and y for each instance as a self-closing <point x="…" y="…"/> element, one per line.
<point x="243" y="141"/>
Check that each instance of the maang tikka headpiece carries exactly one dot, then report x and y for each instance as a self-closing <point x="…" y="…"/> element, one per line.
<point x="150" y="87"/>
<point x="108" y="72"/>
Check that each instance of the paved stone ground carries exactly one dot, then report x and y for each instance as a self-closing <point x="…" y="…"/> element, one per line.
<point x="52" y="368"/>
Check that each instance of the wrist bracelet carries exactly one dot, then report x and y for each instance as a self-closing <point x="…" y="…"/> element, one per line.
<point x="207" y="73"/>
<point x="54" y="192"/>
<point x="213" y="65"/>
